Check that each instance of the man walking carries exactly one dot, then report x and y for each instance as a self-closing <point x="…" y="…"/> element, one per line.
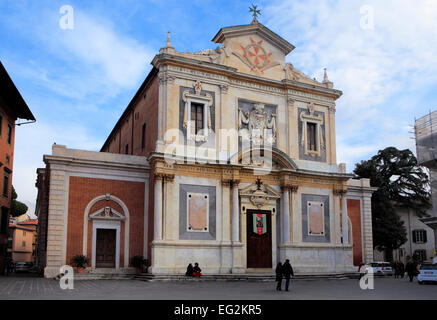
<point x="411" y="269"/>
<point x="287" y="270"/>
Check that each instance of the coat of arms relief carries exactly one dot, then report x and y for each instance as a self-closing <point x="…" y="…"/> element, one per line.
<point x="261" y="129"/>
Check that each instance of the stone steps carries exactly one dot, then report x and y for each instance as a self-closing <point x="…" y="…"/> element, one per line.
<point x="242" y="277"/>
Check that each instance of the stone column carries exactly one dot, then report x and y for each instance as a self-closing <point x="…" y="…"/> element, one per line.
<point x="158" y="207"/>
<point x="226" y="209"/>
<point x="295" y="214"/>
<point x="235" y="212"/>
<point x="344" y="219"/>
<point x="286" y="215"/>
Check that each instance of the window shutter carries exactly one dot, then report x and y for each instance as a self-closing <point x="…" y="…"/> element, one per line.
<point x="414" y="236"/>
<point x="424" y="236"/>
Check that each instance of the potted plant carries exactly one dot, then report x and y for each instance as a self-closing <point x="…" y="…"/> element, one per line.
<point x="79" y="261"/>
<point x="138" y="262"/>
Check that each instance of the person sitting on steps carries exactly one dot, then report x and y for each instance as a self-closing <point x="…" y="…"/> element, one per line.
<point x="197" y="270"/>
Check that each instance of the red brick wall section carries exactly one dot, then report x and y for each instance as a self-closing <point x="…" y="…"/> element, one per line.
<point x="354" y="213"/>
<point x="145" y="111"/>
<point x="83" y="190"/>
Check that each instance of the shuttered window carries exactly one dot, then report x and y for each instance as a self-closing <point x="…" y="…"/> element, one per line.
<point x="419" y="236"/>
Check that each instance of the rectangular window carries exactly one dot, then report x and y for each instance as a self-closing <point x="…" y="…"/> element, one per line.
<point x="24" y="233"/>
<point x="23" y="243"/>
<point x="143" y="137"/>
<point x="419" y="236"/>
<point x="196" y="118"/>
<point x="9" y="136"/>
<point x="420" y="255"/>
<point x="312" y="136"/>
<point x="6" y="185"/>
<point x="126" y="149"/>
<point x="4" y="220"/>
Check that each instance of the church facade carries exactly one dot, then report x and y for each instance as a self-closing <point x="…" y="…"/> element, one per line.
<point x="224" y="157"/>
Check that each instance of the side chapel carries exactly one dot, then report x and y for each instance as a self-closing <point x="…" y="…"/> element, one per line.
<point x="226" y="157"/>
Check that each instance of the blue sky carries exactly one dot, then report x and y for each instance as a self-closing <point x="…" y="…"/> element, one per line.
<point x="78" y="82"/>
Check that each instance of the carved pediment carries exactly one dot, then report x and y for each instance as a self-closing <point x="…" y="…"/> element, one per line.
<point x="259" y="195"/>
<point x="254" y="49"/>
<point x="106" y="213"/>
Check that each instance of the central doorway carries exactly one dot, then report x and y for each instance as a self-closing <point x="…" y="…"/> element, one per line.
<point x="259" y="239"/>
<point x="105" y="248"/>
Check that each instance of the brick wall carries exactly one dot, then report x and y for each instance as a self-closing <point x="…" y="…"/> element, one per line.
<point x="354" y="213"/>
<point x="82" y="191"/>
<point x="129" y="131"/>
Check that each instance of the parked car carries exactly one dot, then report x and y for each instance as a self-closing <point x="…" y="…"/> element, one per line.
<point x="428" y="273"/>
<point x="382" y="268"/>
<point x="23" y="267"/>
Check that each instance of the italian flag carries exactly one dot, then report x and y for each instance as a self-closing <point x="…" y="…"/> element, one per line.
<point x="259" y="223"/>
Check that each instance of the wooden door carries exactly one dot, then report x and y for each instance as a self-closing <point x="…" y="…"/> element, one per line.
<point x="259" y="239"/>
<point x="105" y="248"/>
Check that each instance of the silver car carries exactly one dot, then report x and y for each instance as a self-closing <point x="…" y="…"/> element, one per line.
<point x="382" y="268"/>
<point x="428" y="273"/>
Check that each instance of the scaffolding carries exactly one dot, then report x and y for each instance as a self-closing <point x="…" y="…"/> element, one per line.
<point x="425" y="130"/>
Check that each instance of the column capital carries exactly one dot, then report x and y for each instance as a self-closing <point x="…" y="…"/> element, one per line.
<point x="158" y="176"/>
<point x="226" y="182"/>
<point x="340" y="192"/>
<point x="168" y="177"/>
<point x="235" y="182"/>
<point x="287" y="186"/>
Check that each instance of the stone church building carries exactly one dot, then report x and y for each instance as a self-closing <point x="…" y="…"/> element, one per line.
<point x="226" y="157"/>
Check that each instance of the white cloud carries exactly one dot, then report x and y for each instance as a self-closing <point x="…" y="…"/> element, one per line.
<point x="32" y="141"/>
<point x="380" y="71"/>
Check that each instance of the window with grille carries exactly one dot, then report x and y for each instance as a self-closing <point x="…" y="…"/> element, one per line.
<point x="197" y="118"/>
<point x="419" y="236"/>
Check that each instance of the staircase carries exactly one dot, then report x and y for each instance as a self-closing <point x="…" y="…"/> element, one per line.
<point x="241" y="277"/>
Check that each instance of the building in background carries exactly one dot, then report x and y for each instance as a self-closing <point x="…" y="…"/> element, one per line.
<point x="22" y="239"/>
<point x="12" y="107"/>
<point x="226" y="157"/>
<point x="420" y="239"/>
<point x="425" y="130"/>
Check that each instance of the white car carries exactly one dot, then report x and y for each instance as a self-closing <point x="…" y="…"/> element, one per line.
<point x="382" y="268"/>
<point x="428" y="273"/>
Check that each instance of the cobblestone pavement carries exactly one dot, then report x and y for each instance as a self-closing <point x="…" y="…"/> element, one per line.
<point x="40" y="288"/>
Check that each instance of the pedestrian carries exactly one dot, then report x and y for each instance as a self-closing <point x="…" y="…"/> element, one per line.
<point x="190" y="271"/>
<point x="197" y="271"/>
<point x="287" y="271"/>
<point x="279" y="274"/>
<point x="9" y="267"/>
<point x="434" y="260"/>
<point x="401" y="270"/>
<point x="411" y="269"/>
<point x="362" y="269"/>
<point x="396" y="268"/>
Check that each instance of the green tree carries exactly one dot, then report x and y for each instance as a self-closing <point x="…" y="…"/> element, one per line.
<point x="401" y="183"/>
<point x="17" y="208"/>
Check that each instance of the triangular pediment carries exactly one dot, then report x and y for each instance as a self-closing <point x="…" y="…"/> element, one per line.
<point x="254" y="29"/>
<point x="254" y="49"/>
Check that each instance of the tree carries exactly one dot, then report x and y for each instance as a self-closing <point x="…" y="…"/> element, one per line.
<point x="17" y="208"/>
<point x="401" y="183"/>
